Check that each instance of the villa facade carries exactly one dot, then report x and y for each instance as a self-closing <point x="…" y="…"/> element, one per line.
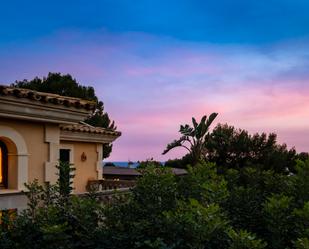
<point x="39" y="129"/>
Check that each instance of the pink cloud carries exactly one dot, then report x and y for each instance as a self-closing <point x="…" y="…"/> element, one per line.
<point x="150" y="84"/>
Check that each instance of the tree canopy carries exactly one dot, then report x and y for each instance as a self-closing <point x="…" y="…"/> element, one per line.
<point x="232" y="148"/>
<point x="229" y="147"/>
<point x="57" y="83"/>
<point x="66" y="85"/>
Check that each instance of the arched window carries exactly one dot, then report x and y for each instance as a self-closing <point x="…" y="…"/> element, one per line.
<point x="3" y="165"/>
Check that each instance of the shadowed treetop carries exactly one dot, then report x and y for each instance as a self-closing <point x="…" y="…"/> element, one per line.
<point x="66" y="85"/>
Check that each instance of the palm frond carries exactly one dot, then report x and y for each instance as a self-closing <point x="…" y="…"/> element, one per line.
<point x="174" y="144"/>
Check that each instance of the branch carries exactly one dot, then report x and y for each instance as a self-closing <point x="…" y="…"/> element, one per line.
<point x="186" y="148"/>
<point x="174" y="144"/>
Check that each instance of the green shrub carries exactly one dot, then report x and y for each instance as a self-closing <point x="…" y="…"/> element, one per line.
<point x="279" y="221"/>
<point x="193" y="225"/>
<point x="245" y="240"/>
<point x="239" y="209"/>
<point x="301" y="183"/>
<point x="204" y="184"/>
<point x="302" y="243"/>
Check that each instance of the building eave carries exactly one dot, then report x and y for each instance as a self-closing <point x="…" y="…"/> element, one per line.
<point x="25" y="109"/>
<point x="87" y="137"/>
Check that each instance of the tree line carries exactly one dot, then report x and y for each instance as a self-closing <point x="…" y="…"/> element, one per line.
<point x="232" y="148"/>
<point x="248" y="208"/>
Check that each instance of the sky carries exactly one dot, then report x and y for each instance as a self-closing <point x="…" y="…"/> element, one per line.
<point x="156" y="64"/>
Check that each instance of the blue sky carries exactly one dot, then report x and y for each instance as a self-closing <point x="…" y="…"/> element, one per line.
<point x="155" y="64"/>
<point x="220" y="21"/>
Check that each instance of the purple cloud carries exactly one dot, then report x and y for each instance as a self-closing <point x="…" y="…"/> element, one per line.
<point x="152" y="84"/>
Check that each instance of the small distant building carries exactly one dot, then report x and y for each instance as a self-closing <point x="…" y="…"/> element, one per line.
<point x="36" y="131"/>
<point x="130" y="174"/>
<point x="120" y="173"/>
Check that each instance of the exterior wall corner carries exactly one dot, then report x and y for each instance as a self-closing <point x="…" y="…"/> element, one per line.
<point x="99" y="161"/>
<point x="52" y="137"/>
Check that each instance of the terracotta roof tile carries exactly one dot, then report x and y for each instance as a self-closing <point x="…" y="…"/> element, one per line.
<point x="47" y="98"/>
<point x="89" y="129"/>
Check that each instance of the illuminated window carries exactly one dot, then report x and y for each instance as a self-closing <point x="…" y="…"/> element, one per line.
<point x="3" y="166"/>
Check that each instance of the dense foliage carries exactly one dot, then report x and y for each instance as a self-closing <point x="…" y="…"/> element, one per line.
<point x="236" y="148"/>
<point x="179" y="162"/>
<point x="56" y="83"/>
<point x="232" y="148"/>
<point x="246" y="208"/>
<point x="66" y="85"/>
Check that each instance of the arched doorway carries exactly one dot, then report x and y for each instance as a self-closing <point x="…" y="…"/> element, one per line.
<point x="15" y="166"/>
<point x="3" y="165"/>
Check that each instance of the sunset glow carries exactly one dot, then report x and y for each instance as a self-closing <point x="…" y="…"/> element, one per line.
<point x="157" y="65"/>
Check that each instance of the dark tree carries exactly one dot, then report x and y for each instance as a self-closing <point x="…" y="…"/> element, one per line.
<point x="235" y="148"/>
<point x="149" y="163"/>
<point x="66" y="85"/>
<point x="65" y="180"/>
<point x="110" y="164"/>
<point x="303" y="156"/>
<point x="60" y="84"/>
<point x="180" y="163"/>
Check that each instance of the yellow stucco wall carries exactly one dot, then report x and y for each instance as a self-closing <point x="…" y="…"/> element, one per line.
<point x="33" y="134"/>
<point x="12" y="172"/>
<point x="85" y="170"/>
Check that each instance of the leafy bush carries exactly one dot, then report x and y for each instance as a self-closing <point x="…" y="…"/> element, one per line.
<point x="193" y="225"/>
<point x="302" y="243"/>
<point x="240" y="209"/>
<point x="278" y="216"/>
<point x="301" y="183"/>
<point x="204" y="184"/>
<point x="245" y="240"/>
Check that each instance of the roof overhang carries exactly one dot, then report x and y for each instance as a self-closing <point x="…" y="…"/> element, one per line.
<point x="36" y="106"/>
<point x="87" y="137"/>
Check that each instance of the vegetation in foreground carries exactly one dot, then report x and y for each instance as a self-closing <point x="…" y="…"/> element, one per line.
<point x="231" y="148"/>
<point x="239" y="209"/>
<point x="241" y="192"/>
